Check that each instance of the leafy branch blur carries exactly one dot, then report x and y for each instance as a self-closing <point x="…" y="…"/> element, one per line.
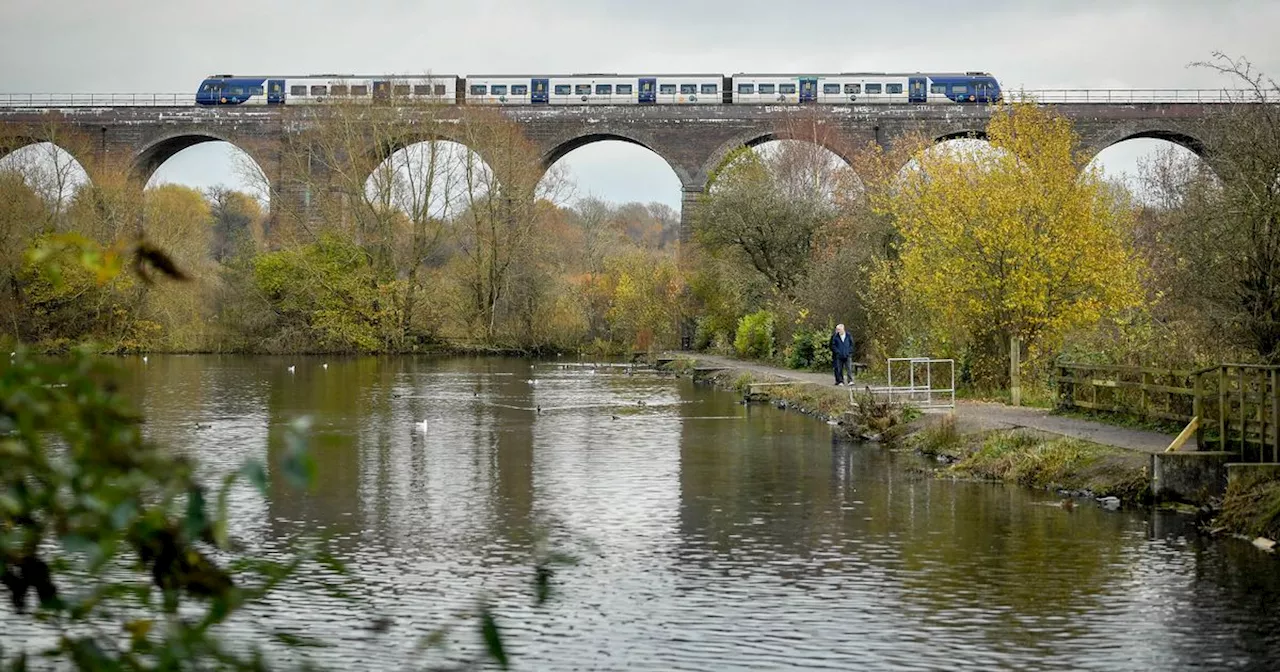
<point x="111" y="541"/>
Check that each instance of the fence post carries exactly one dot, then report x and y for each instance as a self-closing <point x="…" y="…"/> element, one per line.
<point x="1222" y="408"/>
<point x="1197" y="408"/>
<point x="1015" y="366"/>
<point x="1275" y="417"/>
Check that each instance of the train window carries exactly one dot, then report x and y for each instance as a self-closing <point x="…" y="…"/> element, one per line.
<point x="498" y="90"/>
<point x="439" y="89"/>
<point x="831" y="88"/>
<point x="276" y="88"/>
<point x="767" y="88"/>
<point x="604" y="89"/>
<point x="338" y="90"/>
<point x="786" y="88"/>
<point x="623" y="90"/>
<point x="297" y="90"/>
<point x="563" y="89"/>
<point x="479" y="89"/>
<point x="319" y="90"/>
<point x="519" y="89"/>
<point x="237" y="91"/>
<point x="959" y="88"/>
<point x="359" y="89"/>
<point x="709" y="89"/>
<point x="688" y="89"/>
<point x="581" y="89"/>
<point x="401" y="89"/>
<point x="667" y="89"/>
<point x="421" y="89"/>
<point x="746" y="88"/>
<point x="893" y="88"/>
<point x="255" y="90"/>
<point x="873" y="88"/>
<point x="853" y="88"/>
<point x="938" y="88"/>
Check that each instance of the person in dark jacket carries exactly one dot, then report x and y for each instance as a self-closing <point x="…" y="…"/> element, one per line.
<point x="841" y="351"/>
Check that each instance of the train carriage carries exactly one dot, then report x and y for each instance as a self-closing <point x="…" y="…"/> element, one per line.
<point x="608" y="89"/>
<point x="304" y="89"/>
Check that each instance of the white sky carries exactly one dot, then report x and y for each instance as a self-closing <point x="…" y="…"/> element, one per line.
<point x="170" y="45"/>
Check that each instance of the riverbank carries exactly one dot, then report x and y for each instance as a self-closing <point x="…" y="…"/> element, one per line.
<point x="980" y="440"/>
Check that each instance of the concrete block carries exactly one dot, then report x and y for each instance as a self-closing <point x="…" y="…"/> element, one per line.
<point x="1193" y="477"/>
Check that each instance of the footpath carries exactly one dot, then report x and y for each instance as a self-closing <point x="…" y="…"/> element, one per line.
<point x="981" y="414"/>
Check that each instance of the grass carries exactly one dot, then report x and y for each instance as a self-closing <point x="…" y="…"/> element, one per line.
<point x="1036" y="461"/>
<point x="1123" y="420"/>
<point x="1252" y="507"/>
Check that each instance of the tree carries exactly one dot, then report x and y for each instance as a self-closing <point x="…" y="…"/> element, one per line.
<point x="237" y="221"/>
<point x="1015" y="242"/>
<point x="495" y="231"/>
<point x="1221" y="218"/>
<point x="752" y="208"/>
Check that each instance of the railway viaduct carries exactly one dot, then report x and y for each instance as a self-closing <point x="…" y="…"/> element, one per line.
<point x="693" y="140"/>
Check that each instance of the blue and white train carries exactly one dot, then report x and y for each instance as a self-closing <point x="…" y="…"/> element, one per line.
<point x="857" y="88"/>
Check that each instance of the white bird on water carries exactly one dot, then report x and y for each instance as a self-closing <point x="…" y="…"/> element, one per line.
<point x="325" y="365"/>
<point x="144" y="359"/>
<point x="290" y="368"/>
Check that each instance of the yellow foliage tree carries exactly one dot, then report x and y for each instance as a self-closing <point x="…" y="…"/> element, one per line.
<point x="1020" y="241"/>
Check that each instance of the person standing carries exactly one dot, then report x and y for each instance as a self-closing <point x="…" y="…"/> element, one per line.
<point x="841" y="351"/>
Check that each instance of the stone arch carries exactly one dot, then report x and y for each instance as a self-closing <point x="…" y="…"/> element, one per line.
<point x="717" y="158"/>
<point x="962" y="134"/>
<point x="1183" y="139"/>
<point x="152" y="155"/>
<point x="75" y="171"/>
<point x="562" y="148"/>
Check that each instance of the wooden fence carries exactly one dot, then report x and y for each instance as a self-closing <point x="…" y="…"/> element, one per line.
<point x="1238" y="405"/>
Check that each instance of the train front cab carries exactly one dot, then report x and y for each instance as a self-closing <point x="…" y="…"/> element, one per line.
<point x="240" y="91"/>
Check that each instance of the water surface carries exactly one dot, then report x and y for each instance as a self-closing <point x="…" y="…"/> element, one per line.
<point x="709" y="535"/>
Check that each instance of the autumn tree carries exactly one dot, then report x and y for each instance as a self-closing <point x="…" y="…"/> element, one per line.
<point x="1220" y="217"/>
<point x="494" y="234"/>
<point x="1015" y="242"/>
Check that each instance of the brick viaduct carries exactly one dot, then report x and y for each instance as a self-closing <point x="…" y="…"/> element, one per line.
<point x="693" y="140"/>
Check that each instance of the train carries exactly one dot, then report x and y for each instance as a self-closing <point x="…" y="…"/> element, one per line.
<point x="855" y="88"/>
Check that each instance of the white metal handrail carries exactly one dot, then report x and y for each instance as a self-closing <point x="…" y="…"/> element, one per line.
<point x="921" y="391"/>
<point x="1047" y="96"/>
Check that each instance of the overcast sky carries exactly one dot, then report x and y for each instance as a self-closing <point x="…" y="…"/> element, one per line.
<point x="170" y="45"/>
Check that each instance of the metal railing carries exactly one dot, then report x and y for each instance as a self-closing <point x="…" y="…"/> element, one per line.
<point x="916" y="383"/>
<point x="1130" y="96"/>
<point x="1047" y="96"/>
<point x="53" y="100"/>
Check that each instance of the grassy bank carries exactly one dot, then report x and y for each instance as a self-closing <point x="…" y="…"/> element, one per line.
<point x="1035" y="460"/>
<point x="1251" y="507"/>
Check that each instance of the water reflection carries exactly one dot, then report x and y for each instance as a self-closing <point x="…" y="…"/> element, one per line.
<point x="710" y="535"/>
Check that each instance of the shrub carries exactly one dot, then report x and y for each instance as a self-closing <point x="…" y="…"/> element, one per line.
<point x="809" y="350"/>
<point x="755" y="335"/>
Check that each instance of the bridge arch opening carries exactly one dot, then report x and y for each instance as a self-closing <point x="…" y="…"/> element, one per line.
<point x="431" y="180"/>
<point x="206" y="163"/>
<point x="607" y="181"/>
<point x="803" y="168"/>
<point x="1151" y="167"/>
<point x="50" y="171"/>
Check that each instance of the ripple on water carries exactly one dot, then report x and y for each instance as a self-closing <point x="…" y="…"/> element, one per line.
<point x="708" y="535"/>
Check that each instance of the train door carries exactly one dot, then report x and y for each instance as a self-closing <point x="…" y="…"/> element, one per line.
<point x="381" y="89"/>
<point x="275" y="91"/>
<point x="917" y="90"/>
<point x="648" y="90"/>
<point x="538" y="94"/>
<point x="808" y="89"/>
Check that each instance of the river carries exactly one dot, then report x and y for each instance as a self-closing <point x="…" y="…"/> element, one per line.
<point x="708" y="535"/>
